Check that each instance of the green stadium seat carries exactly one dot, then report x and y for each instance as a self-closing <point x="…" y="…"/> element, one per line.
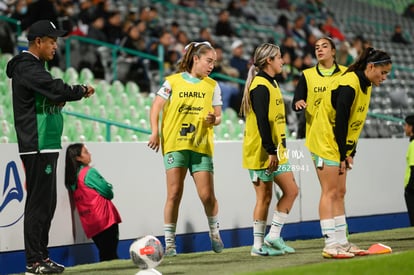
<point x="57" y="72"/>
<point x="71" y="76"/>
<point x="86" y="76"/>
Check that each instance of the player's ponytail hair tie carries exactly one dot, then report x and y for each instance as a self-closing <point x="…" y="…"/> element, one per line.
<point x="196" y="44"/>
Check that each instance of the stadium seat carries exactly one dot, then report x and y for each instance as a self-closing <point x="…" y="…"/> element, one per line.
<point x="71" y="76"/>
<point x="57" y="72"/>
<point x="86" y="76"/>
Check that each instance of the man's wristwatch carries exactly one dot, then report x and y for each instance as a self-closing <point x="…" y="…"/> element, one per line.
<point x="85" y="89"/>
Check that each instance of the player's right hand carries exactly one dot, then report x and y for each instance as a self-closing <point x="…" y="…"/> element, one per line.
<point x="154" y="142"/>
<point x="90" y="91"/>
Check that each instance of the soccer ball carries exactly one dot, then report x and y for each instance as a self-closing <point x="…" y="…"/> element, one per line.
<point x="146" y="252"/>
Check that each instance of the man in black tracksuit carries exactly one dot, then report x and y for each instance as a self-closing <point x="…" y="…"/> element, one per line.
<point x="37" y="103"/>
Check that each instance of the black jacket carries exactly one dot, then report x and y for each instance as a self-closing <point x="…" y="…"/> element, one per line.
<point x="37" y="103"/>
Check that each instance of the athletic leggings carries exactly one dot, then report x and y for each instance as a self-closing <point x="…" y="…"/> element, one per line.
<point x="107" y="243"/>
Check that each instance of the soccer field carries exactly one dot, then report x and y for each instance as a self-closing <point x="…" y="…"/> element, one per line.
<point x="307" y="260"/>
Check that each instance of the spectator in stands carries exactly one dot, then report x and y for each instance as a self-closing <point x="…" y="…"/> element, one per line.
<point x="315" y="28"/>
<point x="264" y="147"/>
<point x="308" y="61"/>
<point x="241" y="64"/>
<point x="87" y="11"/>
<point x="289" y="45"/>
<point x="114" y="27"/>
<point x="19" y="13"/>
<point x="398" y="35"/>
<point x="237" y="59"/>
<point x="95" y="31"/>
<point x="182" y="40"/>
<point x="40" y="10"/>
<point x="166" y="41"/>
<point x="288" y="70"/>
<point x="314" y="82"/>
<point x="137" y="70"/>
<point x="409" y="170"/>
<point x="39" y="134"/>
<point x="343" y="57"/>
<point x="190" y="102"/>
<point x="332" y="30"/>
<point x="234" y="8"/>
<point x="248" y="11"/>
<point x="149" y="15"/>
<point x="223" y="25"/>
<point x="241" y="8"/>
<point x="175" y="29"/>
<point x="66" y="15"/>
<point x="205" y="35"/>
<point x="229" y="90"/>
<point x="283" y="26"/>
<point x="357" y="46"/>
<point x="332" y="141"/>
<point x="92" y="196"/>
<point x="309" y="47"/>
<point x="96" y="28"/>
<point x="300" y="31"/>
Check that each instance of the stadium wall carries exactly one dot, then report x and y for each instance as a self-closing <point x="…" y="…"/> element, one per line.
<point x="374" y="199"/>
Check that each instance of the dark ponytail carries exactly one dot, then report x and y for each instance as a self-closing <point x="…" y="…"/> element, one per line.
<point x="370" y="55"/>
<point x="71" y="164"/>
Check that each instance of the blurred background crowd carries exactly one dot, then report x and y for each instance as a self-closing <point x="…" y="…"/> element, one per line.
<point x="233" y="27"/>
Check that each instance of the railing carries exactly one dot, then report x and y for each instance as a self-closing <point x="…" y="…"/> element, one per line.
<point x="14" y="22"/>
<point x="386" y="117"/>
<point x="108" y="124"/>
<point x="115" y="49"/>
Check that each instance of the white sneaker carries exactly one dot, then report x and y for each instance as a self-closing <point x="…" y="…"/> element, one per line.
<point x="336" y="251"/>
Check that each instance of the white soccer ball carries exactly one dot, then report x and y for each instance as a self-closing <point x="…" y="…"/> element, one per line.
<point x="146" y="252"/>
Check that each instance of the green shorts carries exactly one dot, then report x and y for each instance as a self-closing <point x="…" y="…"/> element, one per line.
<point x="263" y="175"/>
<point x="319" y="161"/>
<point x="194" y="161"/>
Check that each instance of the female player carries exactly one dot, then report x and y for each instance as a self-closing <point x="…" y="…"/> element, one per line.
<point x="191" y="105"/>
<point x="332" y="141"/>
<point x="92" y="195"/>
<point x="314" y="82"/>
<point x="264" y="147"/>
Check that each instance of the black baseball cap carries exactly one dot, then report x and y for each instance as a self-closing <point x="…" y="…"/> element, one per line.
<point x="44" y="28"/>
